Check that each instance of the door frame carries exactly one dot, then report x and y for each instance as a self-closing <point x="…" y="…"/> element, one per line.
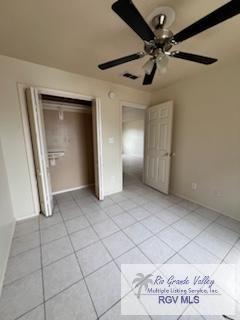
<point x="27" y="135"/>
<point x="134" y="106"/>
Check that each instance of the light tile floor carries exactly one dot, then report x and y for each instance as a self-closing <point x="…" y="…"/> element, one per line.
<point x="61" y="268"/>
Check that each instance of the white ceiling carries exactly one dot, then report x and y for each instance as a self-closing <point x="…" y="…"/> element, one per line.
<point x="77" y="35"/>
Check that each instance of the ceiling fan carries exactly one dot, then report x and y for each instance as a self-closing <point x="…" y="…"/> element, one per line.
<point x="158" y="45"/>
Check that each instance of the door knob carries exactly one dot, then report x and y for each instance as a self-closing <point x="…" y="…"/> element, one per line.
<point x="168" y="154"/>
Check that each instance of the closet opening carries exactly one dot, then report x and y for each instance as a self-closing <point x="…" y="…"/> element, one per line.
<point x="69" y="138"/>
<point x="66" y="144"/>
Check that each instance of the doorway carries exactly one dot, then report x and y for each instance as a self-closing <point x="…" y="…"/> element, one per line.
<point x="132" y="143"/>
<point x="66" y="142"/>
<point x="147" y="145"/>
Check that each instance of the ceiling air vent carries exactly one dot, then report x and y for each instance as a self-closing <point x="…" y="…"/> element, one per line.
<point x="130" y="76"/>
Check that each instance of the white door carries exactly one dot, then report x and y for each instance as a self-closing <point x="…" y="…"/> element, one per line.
<point x="38" y="138"/>
<point x="97" y="148"/>
<point x="158" y="141"/>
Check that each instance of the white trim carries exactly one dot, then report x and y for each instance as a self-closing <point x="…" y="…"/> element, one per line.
<point x="65" y="94"/>
<point x="100" y="150"/>
<point x="129" y="105"/>
<point x="8" y="238"/>
<point x="72" y="189"/>
<point x="133" y="105"/>
<point x="28" y="217"/>
<point x="27" y="137"/>
<point x="28" y="145"/>
<point x="144" y="147"/>
<point x="200" y="204"/>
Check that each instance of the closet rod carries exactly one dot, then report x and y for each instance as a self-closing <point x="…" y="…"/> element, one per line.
<point x="66" y="100"/>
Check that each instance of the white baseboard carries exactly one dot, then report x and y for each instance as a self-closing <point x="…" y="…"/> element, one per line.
<point x="72" y="189"/>
<point x="32" y="215"/>
<point x="6" y="237"/>
<point x="202" y="204"/>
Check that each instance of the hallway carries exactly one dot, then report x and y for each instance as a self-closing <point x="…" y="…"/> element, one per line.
<point x="132" y="169"/>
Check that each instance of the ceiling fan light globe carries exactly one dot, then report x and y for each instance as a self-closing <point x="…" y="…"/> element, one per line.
<point x="148" y="66"/>
<point x="162" y="61"/>
<point x="162" y="70"/>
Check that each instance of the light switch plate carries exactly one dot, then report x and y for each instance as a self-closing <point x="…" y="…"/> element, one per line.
<point x="111" y="140"/>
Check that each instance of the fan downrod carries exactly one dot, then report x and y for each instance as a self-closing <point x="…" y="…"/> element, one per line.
<point x="163" y="39"/>
<point x="159" y="21"/>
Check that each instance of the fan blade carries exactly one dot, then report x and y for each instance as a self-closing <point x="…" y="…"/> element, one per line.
<point x="122" y="60"/>
<point x="129" y="13"/>
<point x="192" y="57"/>
<point x="148" y="79"/>
<point x="223" y="13"/>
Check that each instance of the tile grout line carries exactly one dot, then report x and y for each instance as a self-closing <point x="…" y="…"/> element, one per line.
<point x="27" y="312"/>
<point x="84" y="276"/>
<point x="43" y="289"/>
<point x="191" y="240"/>
<point x="109" y="216"/>
<point x="41" y="268"/>
<point x="173" y="204"/>
<point x="236" y="241"/>
<point x="124" y="210"/>
<point x="120" y="229"/>
<point x="114" y="260"/>
<point x="175" y="253"/>
<point x="21" y="278"/>
<point x="94" y="272"/>
<point x="137" y="246"/>
<point x="57" y="260"/>
<point x="152" y="234"/>
<point x="115" y="263"/>
<point x="106" y="263"/>
<point x="177" y="230"/>
<point x="85" y="282"/>
<point x="212" y="222"/>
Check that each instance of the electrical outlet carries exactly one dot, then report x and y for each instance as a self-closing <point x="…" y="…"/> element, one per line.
<point x="194" y="186"/>
<point x="217" y="192"/>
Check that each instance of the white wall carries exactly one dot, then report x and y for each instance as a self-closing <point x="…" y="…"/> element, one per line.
<point x="133" y="131"/>
<point x="206" y="138"/>
<point x="15" y="71"/>
<point x="7" y="221"/>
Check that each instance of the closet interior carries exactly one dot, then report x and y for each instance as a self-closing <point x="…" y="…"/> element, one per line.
<point x="69" y="140"/>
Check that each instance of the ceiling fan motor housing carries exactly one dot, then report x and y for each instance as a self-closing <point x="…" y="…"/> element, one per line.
<point x="161" y="43"/>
